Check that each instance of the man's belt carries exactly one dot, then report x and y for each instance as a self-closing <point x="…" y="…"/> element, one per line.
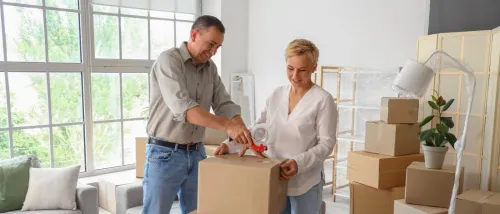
<point x="187" y="147"/>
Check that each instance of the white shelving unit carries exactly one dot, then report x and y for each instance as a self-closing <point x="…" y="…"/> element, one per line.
<point x="357" y="92"/>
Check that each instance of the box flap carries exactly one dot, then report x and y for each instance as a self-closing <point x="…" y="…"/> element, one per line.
<point x="245" y="161"/>
<point x="494" y="199"/>
<point x="400" y="207"/>
<point x="475" y="195"/>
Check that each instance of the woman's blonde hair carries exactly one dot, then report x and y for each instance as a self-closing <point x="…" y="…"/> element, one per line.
<point x="299" y="47"/>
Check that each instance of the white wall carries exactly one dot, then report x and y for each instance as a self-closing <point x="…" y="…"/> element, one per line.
<point x="348" y="32"/>
<point x="233" y="54"/>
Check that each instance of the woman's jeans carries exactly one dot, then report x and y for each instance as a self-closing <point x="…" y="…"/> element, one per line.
<point x="309" y="202"/>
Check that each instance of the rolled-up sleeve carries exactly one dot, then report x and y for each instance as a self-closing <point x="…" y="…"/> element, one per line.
<point x="172" y="84"/>
<point x="221" y="100"/>
<point x="326" y="124"/>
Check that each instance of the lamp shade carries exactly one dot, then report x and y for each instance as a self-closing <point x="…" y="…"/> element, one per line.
<point x="413" y="80"/>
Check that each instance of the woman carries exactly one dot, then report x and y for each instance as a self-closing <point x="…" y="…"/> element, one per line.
<point x="303" y="119"/>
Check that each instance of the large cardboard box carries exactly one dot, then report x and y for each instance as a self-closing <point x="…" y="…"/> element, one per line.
<point x="400" y="207"/>
<point x="392" y="139"/>
<point x="368" y="200"/>
<point x="478" y="202"/>
<point x="396" y="110"/>
<point x="140" y="155"/>
<point x="430" y="187"/>
<point x="230" y="184"/>
<point x="379" y="171"/>
<point x="107" y="190"/>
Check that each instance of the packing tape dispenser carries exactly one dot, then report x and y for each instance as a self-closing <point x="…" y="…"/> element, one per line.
<point x="262" y="137"/>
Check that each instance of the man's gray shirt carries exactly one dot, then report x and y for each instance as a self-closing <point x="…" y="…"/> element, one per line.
<point x="176" y="85"/>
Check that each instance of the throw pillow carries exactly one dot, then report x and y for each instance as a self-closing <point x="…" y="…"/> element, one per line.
<point x="52" y="189"/>
<point x="14" y="180"/>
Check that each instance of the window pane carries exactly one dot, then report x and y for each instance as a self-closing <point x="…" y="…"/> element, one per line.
<point x="161" y="14"/>
<point x="25" y="34"/>
<point x="107" y="145"/>
<point x="131" y="130"/>
<point x="2" y="58"/>
<point x="28" y="98"/>
<point x="104" y="9"/>
<point x="184" y="16"/>
<point x="4" y="119"/>
<point x="66" y="97"/>
<point x="106" y="37"/>
<point x="135" y="95"/>
<point x="106" y="96"/>
<point x="64" y="36"/>
<point x="4" y="146"/>
<point x="135" y="12"/>
<point x="68" y="4"/>
<point x="182" y="31"/>
<point x="68" y="146"/>
<point x="34" y="142"/>
<point x="134" y="38"/>
<point x="162" y="37"/>
<point x="32" y="2"/>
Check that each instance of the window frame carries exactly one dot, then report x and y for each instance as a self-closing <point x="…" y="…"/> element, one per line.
<point x="88" y="65"/>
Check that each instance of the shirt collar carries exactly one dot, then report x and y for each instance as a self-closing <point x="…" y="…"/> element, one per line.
<point x="186" y="56"/>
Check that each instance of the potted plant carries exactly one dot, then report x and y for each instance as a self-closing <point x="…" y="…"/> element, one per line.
<point x="436" y="138"/>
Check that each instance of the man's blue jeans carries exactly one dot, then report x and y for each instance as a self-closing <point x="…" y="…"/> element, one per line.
<point x="169" y="172"/>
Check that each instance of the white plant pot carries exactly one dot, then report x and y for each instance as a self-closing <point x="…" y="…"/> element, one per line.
<point x="434" y="156"/>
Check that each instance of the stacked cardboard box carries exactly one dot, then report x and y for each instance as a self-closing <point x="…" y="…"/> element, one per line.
<point x="378" y="174"/>
<point x="428" y="191"/>
<point x="230" y="184"/>
<point x="478" y="201"/>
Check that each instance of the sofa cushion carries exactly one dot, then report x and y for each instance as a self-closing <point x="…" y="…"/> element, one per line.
<point x="46" y="212"/>
<point x="55" y="186"/>
<point x="14" y="181"/>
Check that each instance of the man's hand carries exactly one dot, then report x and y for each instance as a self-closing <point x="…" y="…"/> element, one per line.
<point x="239" y="133"/>
<point x="288" y="169"/>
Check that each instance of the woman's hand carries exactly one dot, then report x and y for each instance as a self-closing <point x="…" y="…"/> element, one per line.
<point x="222" y="149"/>
<point x="288" y="169"/>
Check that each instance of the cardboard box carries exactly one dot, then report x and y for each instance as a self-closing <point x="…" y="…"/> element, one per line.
<point x="140" y="155"/>
<point x="430" y="187"/>
<point x="368" y="200"/>
<point x="392" y="139"/>
<point x="230" y="184"/>
<point x="396" y="110"/>
<point x="400" y="207"/>
<point x="107" y="190"/>
<point x="478" y="201"/>
<point x="379" y="171"/>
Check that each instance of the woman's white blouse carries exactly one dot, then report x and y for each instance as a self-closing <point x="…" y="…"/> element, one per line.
<point x="307" y="135"/>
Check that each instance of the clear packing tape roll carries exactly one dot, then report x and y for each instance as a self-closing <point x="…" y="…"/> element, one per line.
<point x="420" y="75"/>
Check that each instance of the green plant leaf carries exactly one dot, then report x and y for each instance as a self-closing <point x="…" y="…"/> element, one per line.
<point x="434" y="98"/>
<point x="426" y="120"/>
<point x="451" y="139"/>
<point x="448" y="104"/>
<point x="442" y="129"/>
<point x="433" y="105"/>
<point x="439" y="140"/>
<point x="443" y="103"/>
<point x="448" y="121"/>
<point x="439" y="101"/>
<point x="427" y="134"/>
<point x="429" y="143"/>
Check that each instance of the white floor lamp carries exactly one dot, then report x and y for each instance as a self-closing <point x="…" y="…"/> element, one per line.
<point x="413" y="81"/>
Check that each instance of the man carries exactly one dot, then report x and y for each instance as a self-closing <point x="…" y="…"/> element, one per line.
<point x="184" y="85"/>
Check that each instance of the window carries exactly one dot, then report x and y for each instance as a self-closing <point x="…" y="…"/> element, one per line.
<point x="74" y="91"/>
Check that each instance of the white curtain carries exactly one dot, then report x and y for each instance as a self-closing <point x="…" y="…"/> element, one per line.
<point x="177" y="6"/>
